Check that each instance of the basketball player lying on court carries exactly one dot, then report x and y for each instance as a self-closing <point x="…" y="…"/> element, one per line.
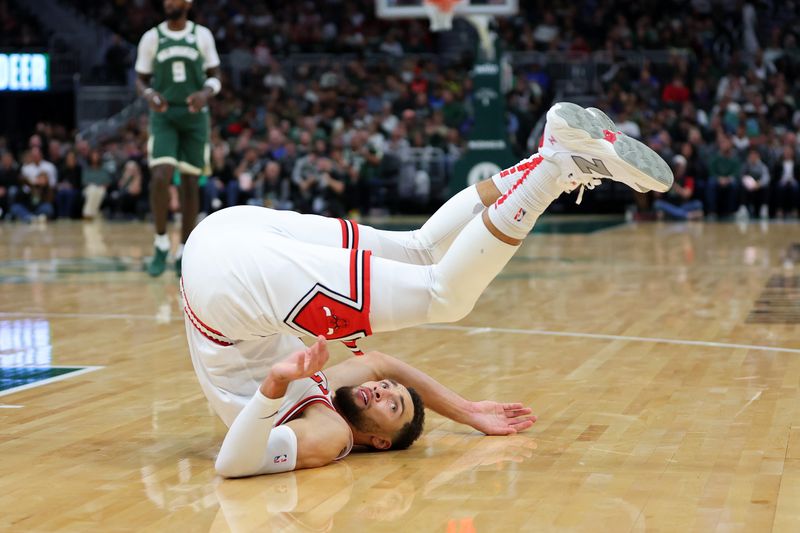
<point x="254" y="279"/>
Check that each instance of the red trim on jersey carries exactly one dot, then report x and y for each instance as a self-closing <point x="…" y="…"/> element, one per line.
<point x="302" y="405"/>
<point x="344" y="233"/>
<point x="354" y="226"/>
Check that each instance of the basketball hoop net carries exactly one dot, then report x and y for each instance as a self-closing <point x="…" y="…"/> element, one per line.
<point x="440" y="13"/>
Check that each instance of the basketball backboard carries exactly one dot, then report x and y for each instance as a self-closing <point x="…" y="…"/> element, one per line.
<point x="399" y="9"/>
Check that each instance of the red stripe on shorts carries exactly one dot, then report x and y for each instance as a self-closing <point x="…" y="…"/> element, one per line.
<point x="185" y="299"/>
<point x="355" y="233"/>
<point x="344" y="233"/>
<point x="199" y="324"/>
<point x="367" y="292"/>
<point x="353" y="271"/>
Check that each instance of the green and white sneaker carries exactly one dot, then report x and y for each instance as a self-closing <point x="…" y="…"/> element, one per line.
<point x="158" y="264"/>
<point x="585" y="145"/>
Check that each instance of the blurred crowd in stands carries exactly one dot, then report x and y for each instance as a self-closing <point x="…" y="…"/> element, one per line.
<point x="331" y="135"/>
<point x="18" y="29"/>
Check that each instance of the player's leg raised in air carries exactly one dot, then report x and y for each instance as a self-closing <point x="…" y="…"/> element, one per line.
<point x="580" y="147"/>
<point x="435" y="274"/>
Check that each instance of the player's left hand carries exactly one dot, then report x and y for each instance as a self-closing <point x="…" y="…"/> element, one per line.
<point x="494" y="418"/>
<point x="197" y="101"/>
<point x="302" y="363"/>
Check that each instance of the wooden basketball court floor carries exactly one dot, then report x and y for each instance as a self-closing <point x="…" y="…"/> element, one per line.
<point x="662" y="359"/>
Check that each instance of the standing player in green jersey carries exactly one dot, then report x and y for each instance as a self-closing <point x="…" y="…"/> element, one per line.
<point x="178" y="71"/>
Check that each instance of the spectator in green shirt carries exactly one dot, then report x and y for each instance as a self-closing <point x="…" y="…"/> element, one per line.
<point x="725" y="171"/>
<point x="453" y="111"/>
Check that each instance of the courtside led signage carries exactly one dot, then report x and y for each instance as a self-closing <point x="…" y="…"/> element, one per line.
<point x="24" y="72"/>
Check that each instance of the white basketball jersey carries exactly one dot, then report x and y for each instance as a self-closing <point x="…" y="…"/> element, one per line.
<point x="302" y="393"/>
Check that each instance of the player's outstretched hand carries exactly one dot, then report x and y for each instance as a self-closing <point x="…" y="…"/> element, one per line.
<point x="302" y="363"/>
<point x="494" y="418"/>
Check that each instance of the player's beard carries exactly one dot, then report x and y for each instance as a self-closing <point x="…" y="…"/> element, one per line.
<point x="345" y="402"/>
<point x="177" y="14"/>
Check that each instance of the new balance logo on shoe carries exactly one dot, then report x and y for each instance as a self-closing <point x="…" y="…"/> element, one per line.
<point x="589" y="167"/>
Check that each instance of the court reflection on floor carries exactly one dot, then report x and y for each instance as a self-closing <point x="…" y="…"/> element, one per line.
<point x="310" y="500"/>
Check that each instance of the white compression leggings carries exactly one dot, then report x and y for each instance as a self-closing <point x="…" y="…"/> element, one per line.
<point x="419" y="276"/>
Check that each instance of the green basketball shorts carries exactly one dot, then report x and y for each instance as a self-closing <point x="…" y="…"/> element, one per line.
<point x="181" y="139"/>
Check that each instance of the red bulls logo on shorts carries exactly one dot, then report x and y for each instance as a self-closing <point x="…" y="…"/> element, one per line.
<point x="334" y="322"/>
<point x="325" y="315"/>
<point x="336" y="316"/>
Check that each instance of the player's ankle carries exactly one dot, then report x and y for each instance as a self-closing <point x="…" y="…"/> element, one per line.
<point x="502" y="235"/>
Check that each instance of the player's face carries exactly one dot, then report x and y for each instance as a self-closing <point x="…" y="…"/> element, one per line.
<point x="378" y="407"/>
<point x="175" y="9"/>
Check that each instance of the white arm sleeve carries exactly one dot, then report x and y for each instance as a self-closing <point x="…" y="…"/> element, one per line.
<point x="207" y="47"/>
<point x="146" y="53"/>
<point x="252" y="446"/>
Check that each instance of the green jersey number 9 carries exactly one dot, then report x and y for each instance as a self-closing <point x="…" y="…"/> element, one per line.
<point x="178" y="72"/>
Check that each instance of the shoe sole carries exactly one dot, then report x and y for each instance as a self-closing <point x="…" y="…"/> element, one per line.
<point x="605" y="122"/>
<point x="646" y="169"/>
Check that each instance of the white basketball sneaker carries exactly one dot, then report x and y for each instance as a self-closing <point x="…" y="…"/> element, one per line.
<point x="584" y="143"/>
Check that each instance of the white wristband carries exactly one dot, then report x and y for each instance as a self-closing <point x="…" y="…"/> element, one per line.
<point x="147" y="92"/>
<point x="214" y="84"/>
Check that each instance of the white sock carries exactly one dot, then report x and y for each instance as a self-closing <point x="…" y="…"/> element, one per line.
<point x="179" y="251"/>
<point x="506" y="179"/>
<point x="515" y="213"/>
<point x="162" y="242"/>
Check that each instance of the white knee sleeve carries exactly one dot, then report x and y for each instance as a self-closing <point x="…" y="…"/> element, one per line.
<point x="408" y="295"/>
<point x="472" y="262"/>
<point x="449" y="304"/>
<point x="428" y="244"/>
